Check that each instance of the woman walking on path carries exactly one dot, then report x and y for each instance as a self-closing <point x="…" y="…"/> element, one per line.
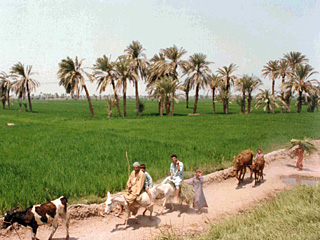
<point x="200" y="200"/>
<point x="299" y="153"/>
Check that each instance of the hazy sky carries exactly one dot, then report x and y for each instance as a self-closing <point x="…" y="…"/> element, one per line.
<point x="248" y="33"/>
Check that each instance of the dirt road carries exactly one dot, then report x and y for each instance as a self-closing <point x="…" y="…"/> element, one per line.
<point x="223" y="197"/>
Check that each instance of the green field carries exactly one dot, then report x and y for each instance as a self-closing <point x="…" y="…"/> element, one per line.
<point x="60" y="150"/>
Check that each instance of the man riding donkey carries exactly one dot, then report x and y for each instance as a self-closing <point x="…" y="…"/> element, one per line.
<point x="176" y="174"/>
<point x="134" y="188"/>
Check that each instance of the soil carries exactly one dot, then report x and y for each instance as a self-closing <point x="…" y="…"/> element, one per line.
<point x="222" y="192"/>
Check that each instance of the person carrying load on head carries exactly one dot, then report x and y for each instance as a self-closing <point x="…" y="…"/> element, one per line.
<point x="147" y="183"/>
<point x="134" y="186"/>
<point x="176" y="174"/>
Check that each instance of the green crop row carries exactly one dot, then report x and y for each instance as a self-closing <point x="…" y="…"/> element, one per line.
<point x="60" y="150"/>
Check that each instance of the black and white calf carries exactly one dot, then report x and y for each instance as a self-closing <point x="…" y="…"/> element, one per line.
<point x="46" y="213"/>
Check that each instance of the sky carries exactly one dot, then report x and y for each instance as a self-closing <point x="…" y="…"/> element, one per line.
<point x="248" y="33"/>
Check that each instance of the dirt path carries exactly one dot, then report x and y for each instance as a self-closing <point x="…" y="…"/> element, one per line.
<point x="223" y="197"/>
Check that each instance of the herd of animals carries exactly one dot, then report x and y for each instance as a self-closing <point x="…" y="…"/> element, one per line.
<point x="48" y="213"/>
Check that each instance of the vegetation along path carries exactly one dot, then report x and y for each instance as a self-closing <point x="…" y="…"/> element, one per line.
<point x="223" y="194"/>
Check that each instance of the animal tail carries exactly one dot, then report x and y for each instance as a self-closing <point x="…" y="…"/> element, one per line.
<point x="64" y="202"/>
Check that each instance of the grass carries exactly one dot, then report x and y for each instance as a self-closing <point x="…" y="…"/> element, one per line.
<point x="292" y="215"/>
<point x="60" y="150"/>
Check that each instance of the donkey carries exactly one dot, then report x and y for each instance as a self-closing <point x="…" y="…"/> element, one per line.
<point x="120" y="199"/>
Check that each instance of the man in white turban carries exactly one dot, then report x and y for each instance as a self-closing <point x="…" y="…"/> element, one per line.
<point x="134" y="185"/>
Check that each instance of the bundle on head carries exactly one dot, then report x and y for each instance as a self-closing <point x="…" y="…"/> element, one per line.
<point x="305" y="143"/>
<point x="186" y="192"/>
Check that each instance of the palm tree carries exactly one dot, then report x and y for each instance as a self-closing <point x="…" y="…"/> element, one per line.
<point x="164" y="89"/>
<point x="270" y="70"/>
<point x="242" y="87"/>
<point x="282" y="71"/>
<point x="252" y="84"/>
<point x="105" y="74"/>
<point x="72" y="75"/>
<point x="24" y="83"/>
<point x="174" y="55"/>
<point x="186" y="88"/>
<point x="111" y="103"/>
<point x="153" y="72"/>
<point x="138" y="64"/>
<point x="156" y="91"/>
<point x="169" y="66"/>
<point x="300" y="82"/>
<point x="6" y="86"/>
<point x="198" y="71"/>
<point x="123" y="73"/>
<point x="313" y="100"/>
<point x="228" y="78"/>
<point x="224" y="96"/>
<point x="214" y="83"/>
<point x="294" y="58"/>
<point x="264" y="99"/>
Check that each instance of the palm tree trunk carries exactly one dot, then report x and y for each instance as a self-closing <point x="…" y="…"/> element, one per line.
<point x="187" y="98"/>
<point x="167" y="105"/>
<point x="137" y="96"/>
<point x="8" y="99"/>
<point x="124" y="86"/>
<point x="116" y="97"/>
<point x="268" y="107"/>
<point x="227" y="105"/>
<point x="282" y="94"/>
<point x="29" y="99"/>
<point x="249" y="102"/>
<point x="89" y="100"/>
<point x="196" y="99"/>
<point x="227" y="100"/>
<point x="213" y="104"/>
<point x="244" y="101"/>
<point x="161" y="107"/>
<point x="300" y="101"/>
<point x="3" y="103"/>
<point x="273" y="105"/>
<point x="172" y="104"/>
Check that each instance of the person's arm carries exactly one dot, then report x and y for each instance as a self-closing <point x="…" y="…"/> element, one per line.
<point x="178" y="165"/>
<point x="148" y="180"/>
<point x="140" y="183"/>
<point x="190" y="181"/>
<point x="129" y="182"/>
<point x="171" y="170"/>
<point x="201" y="179"/>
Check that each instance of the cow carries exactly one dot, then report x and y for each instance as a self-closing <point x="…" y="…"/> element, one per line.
<point x="37" y="215"/>
<point x="241" y="162"/>
<point x="257" y="168"/>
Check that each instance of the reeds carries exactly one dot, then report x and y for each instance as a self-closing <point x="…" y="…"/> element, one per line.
<point x="305" y="143"/>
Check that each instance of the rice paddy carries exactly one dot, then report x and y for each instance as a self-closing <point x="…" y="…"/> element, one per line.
<point x="60" y="150"/>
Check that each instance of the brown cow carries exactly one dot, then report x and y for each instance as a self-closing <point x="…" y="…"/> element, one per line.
<point x="257" y="168"/>
<point x="241" y="162"/>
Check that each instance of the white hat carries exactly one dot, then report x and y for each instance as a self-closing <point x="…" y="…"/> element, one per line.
<point x="136" y="164"/>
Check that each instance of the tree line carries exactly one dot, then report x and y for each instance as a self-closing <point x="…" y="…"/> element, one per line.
<point x="162" y="75"/>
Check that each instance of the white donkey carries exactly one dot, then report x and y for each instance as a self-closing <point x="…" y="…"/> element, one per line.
<point x="120" y="199"/>
<point x="169" y="192"/>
